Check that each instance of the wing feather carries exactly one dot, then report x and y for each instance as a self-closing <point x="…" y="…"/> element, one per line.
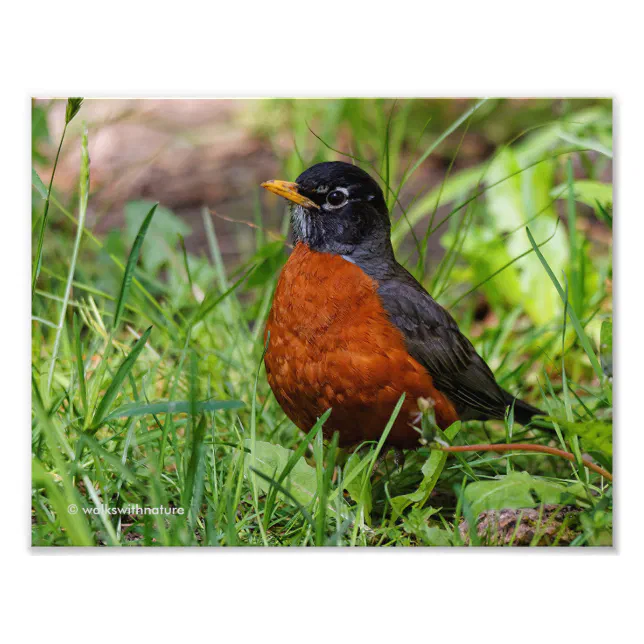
<point x="434" y="339"/>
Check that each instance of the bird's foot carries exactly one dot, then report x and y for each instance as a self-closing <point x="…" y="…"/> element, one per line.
<point x="399" y="458"/>
<point x="380" y="460"/>
<point x="425" y="421"/>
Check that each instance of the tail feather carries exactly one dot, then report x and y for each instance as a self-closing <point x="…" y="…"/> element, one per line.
<point x="523" y="411"/>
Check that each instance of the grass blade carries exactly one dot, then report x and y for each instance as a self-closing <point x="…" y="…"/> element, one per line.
<point x="78" y="349"/>
<point x="456" y="124"/>
<point x="75" y="524"/>
<point x="290" y="464"/>
<point x="73" y="105"/>
<point x="583" y="338"/>
<point x="117" y="381"/>
<point x="196" y="455"/>
<point x="208" y="305"/>
<point x="131" y="265"/>
<point x="575" y="275"/>
<point x="82" y="211"/>
<point x="253" y="443"/>
<point x="171" y="327"/>
<point x="365" y="485"/>
<point x="172" y="407"/>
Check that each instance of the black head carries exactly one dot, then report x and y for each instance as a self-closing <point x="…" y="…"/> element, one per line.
<point x="337" y="208"/>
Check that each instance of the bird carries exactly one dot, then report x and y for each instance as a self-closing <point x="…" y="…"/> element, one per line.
<point x="351" y="330"/>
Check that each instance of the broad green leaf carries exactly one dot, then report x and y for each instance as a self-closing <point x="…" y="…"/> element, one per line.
<point x="416" y="523"/>
<point x="511" y="205"/>
<point x="594" y="434"/>
<point x="589" y="192"/>
<point x="172" y="407"/>
<point x="438" y="537"/>
<point x="486" y="253"/>
<point x="432" y="469"/>
<point x="352" y="482"/>
<point x="293" y="460"/>
<point x="529" y="149"/>
<point x="271" y="459"/>
<point x="581" y="334"/>
<point x="517" y="490"/>
<point x="587" y="143"/>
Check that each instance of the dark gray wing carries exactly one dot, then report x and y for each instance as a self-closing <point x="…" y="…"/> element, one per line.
<point x="434" y="340"/>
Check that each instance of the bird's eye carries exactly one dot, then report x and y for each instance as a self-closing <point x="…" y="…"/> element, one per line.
<point x="336" y="198"/>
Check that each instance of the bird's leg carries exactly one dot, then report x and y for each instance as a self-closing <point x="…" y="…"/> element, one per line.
<point x="427" y="418"/>
<point x="399" y="458"/>
<point x="381" y="458"/>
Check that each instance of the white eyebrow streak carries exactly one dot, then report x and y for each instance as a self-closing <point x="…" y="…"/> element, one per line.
<point x="322" y="189"/>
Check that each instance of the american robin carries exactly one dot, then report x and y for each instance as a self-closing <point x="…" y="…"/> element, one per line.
<point x="351" y="329"/>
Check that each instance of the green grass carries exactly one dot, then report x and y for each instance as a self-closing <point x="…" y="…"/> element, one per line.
<point x="148" y="393"/>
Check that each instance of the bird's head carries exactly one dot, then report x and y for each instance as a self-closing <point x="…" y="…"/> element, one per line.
<point x="337" y="208"/>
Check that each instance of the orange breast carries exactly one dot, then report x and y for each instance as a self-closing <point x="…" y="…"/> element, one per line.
<point x="332" y="345"/>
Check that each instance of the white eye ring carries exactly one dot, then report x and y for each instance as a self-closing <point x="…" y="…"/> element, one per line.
<point x="333" y="193"/>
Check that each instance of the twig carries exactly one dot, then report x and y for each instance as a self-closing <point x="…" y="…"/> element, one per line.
<point x="270" y="233"/>
<point x="525" y="447"/>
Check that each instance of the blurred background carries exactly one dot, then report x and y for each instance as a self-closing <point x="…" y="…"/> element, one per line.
<point x="190" y="153"/>
<point x="508" y="155"/>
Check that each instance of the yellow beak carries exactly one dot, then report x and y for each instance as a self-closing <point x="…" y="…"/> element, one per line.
<point x="290" y="191"/>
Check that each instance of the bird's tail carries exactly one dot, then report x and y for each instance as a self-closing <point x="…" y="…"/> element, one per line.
<point x="523" y="411"/>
